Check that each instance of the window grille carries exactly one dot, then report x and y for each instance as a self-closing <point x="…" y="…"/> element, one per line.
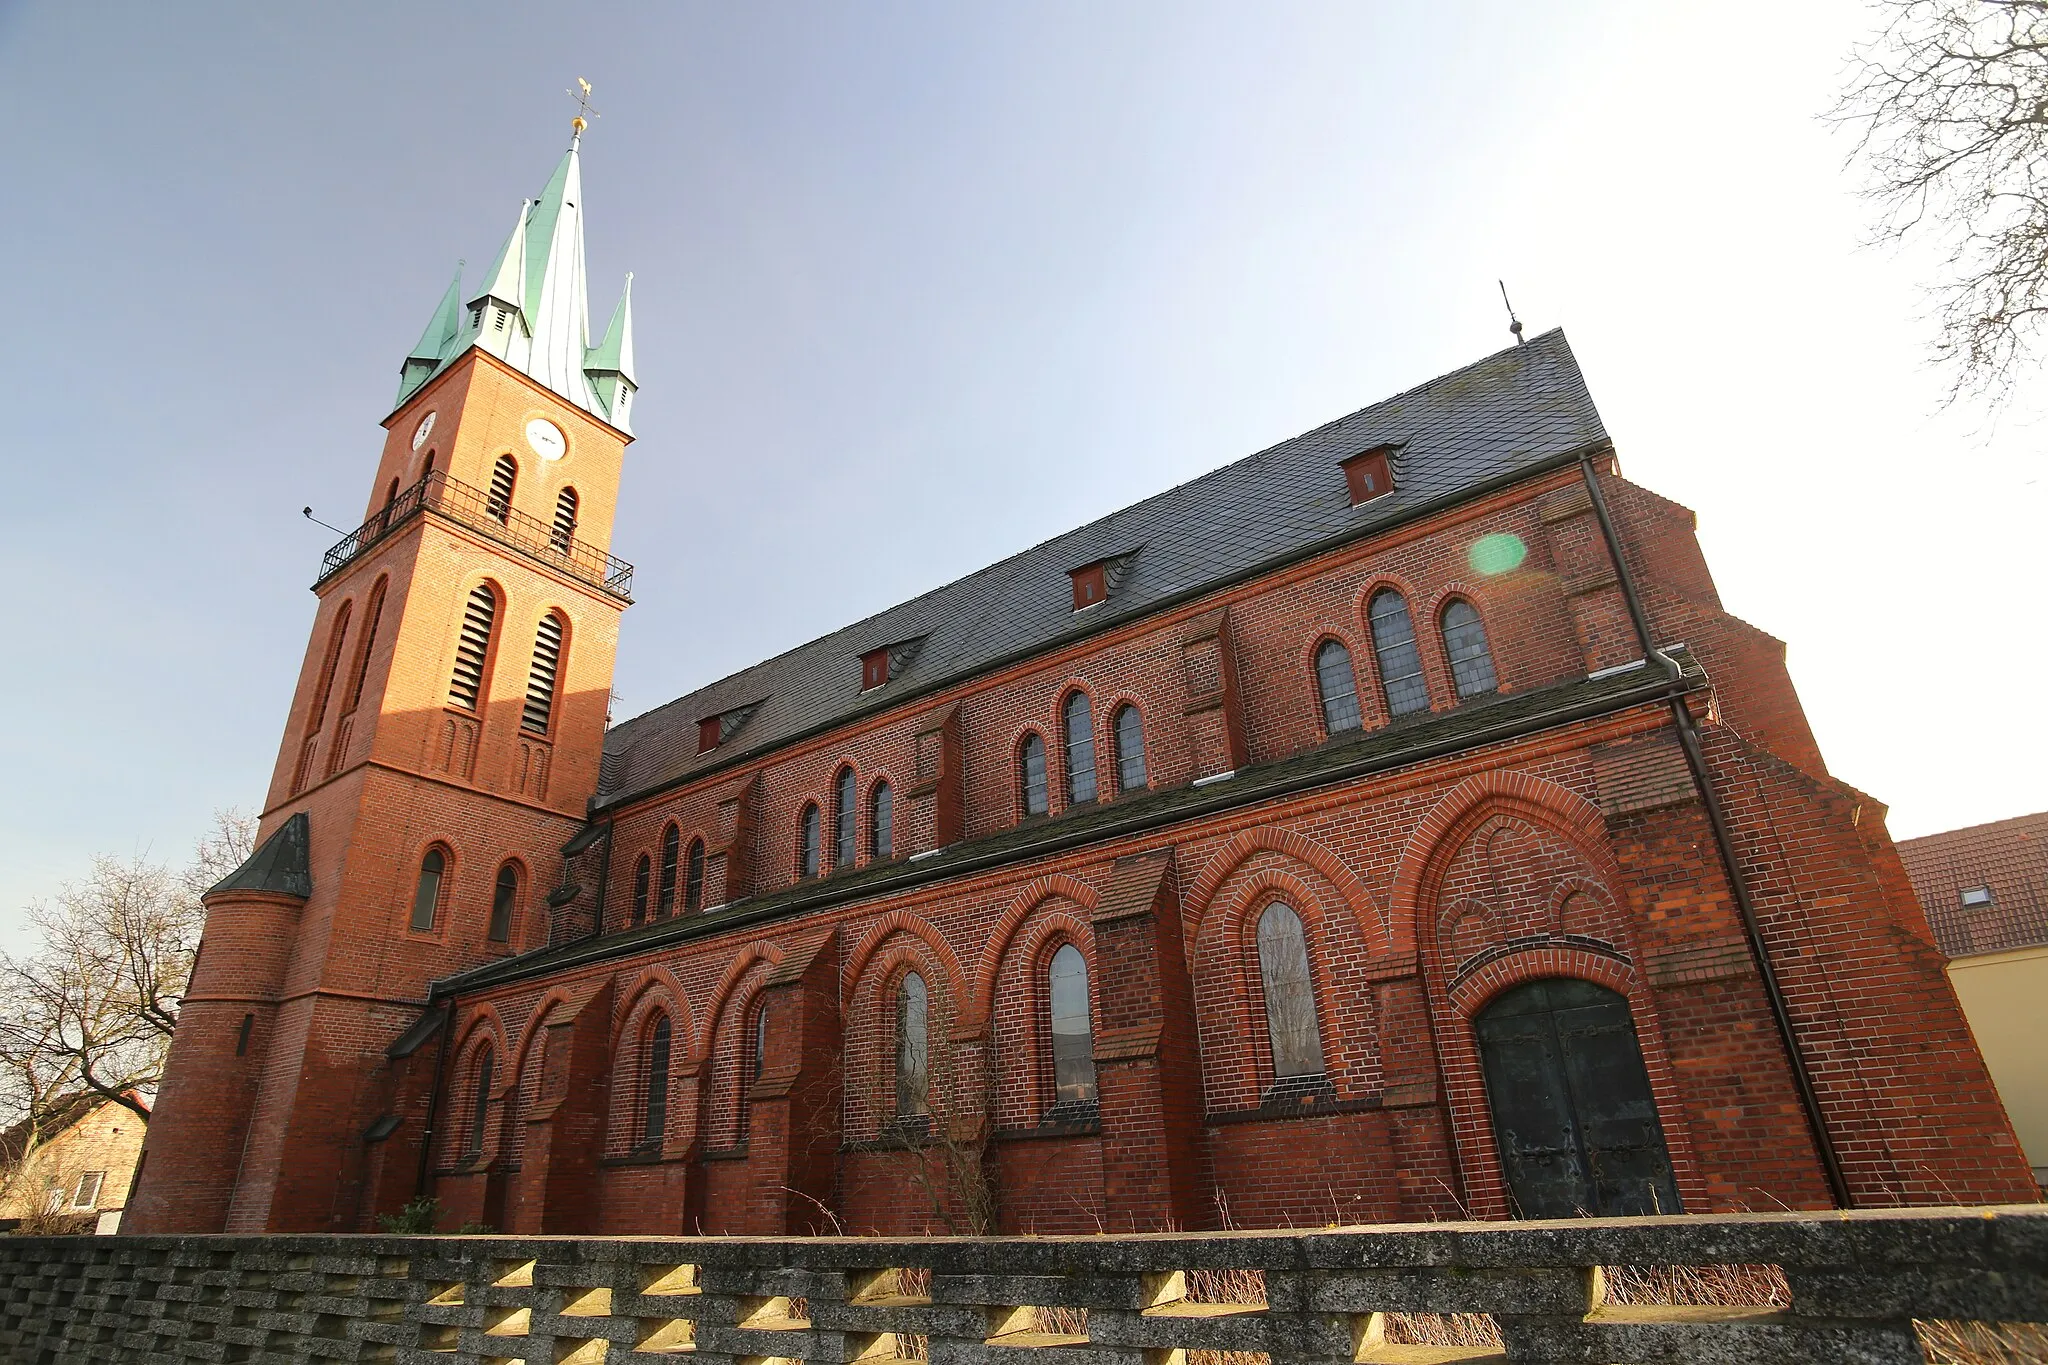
<point x="1080" y="723"/>
<point x="1073" y="1045"/>
<point x="1393" y="640"/>
<point x="86" y="1194"/>
<point x="474" y="648"/>
<point x="480" y="1109"/>
<point x="504" y="474"/>
<point x="1337" y="686"/>
<point x="503" y="897"/>
<point x="1031" y="764"/>
<point x="426" y="900"/>
<point x="565" y="521"/>
<point x="1465" y="643"/>
<point x="642" y="876"/>
<point x="540" y="678"/>
<point x="881" y="822"/>
<point x="913" y="1058"/>
<point x="1291" y="1026"/>
<point x="655" y="1121"/>
<point x="807" y="842"/>
<point x="665" y="901"/>
<point x="1130" y="749"/>
<point x="845" y="846"/>
<point x="693" y="877"/>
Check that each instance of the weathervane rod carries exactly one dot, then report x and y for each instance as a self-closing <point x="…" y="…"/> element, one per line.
<point x="584" y="113"/>
<point x="1514" y="323"/>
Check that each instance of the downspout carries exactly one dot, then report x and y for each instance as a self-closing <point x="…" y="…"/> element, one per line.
<point x="1717" y="821"/>
<point x="419" y="1180"/>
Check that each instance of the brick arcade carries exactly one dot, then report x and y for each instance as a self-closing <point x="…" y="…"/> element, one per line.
<point x="1390" y="825"/>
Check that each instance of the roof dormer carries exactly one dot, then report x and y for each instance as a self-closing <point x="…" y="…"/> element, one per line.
<point x="1369" y="474"/>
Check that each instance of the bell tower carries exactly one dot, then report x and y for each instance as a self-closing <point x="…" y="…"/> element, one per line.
<point x="442" y="745"/>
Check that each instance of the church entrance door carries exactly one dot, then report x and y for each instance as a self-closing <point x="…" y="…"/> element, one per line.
<point x="1573" y="1115"/>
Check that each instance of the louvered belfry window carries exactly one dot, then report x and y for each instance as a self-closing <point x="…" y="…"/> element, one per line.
<point x="540" y="679"/>
<point x="474" y="648"/>
<point x="503" y="475"/>
<point x="565" y="520"/>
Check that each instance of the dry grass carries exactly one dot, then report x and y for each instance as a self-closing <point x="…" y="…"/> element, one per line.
<point x="1983" y="1343"/>
<point x="1718" y="1286"/>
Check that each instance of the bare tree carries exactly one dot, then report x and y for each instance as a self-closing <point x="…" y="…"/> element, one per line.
<point x="1950" y="101"/>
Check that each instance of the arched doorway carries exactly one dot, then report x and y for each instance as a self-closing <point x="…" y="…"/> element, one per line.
<point x="1573" y="1115"/>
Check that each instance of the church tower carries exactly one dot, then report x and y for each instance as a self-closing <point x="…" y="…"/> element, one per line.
<point x="442" y="745"/>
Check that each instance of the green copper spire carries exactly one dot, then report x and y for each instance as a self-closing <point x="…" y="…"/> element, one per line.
<point x="610" y="366"/>
<point x="434" y="343"/>
<point x="497" y="312"/>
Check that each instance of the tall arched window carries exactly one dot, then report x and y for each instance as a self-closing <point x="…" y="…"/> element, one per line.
<point x="693" y="878"/>
<point x="1073" y="1041"/>
<point x="881" y="822"/>
<point x="1080" y="736"/>
<point x="1393" y="642"/>
<point x="540" y="678"/>
<point x="665" y="899"/>
<point x="654" y="1119"/>
<point x="807" y="839"/>
<point x="328" y="665"/>
<point x="372" y="614"/>
<point x="845" y="807"/>
<point x="1465" y="643"/>
<point x="1031" y="774"/>
<point x="1130" y="748"/>
<point x="503" y="475"/>
<point x="426" y="897"/>
<point x="480" y="1108"/>
<point x="1337" y="686"/>
<point x="913" y="1058"/>
<point x="1290" y="992"/>
<point x="757" y="1061"/>
<point x="564" y="531"/>
<point x="504" y="900"/>
<point x="643" y="875"/>
<point x="473" y="650"/>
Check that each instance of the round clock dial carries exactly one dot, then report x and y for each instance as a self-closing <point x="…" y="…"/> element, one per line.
<point x="421" y="432"/>
<point x="546" y="439"/>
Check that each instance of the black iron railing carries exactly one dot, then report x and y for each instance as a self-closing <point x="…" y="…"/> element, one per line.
<point x="480" y="511"/>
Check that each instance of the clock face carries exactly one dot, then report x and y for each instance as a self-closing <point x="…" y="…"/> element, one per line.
<point x="546" y="439"/>
<point x="423" y="431"/>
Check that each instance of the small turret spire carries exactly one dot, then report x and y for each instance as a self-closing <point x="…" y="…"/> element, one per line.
<point x="609" y="367"/>
<point x="497" y="312"/>
<point x="434" y="344"/>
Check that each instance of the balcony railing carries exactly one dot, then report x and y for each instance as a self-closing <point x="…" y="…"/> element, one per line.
<point x="477" y="510"/>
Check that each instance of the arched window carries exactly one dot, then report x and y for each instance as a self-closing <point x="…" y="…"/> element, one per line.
<point x="503" y="475"/>
<point x="473" y="650"/>
<point x="665" y="900"/>
<point x="758" y="1062"/>
<point x="1393" y="641"/>
<point x="693" y="877"/>
<point x="881" y="822"/>
<point x="426" y="897"/>
<point x="504" y="899"/>
<point x="480" y="1109"/>
<point x="1073" y="1041"/>
<point x="391" y="495"/>
<point x="807" y="842"/>
<point x="642" y="875"/>
<point x="1031" y="774"/>
<point x="540" y="678"/>
<point x="1465" y="642"/>
<point x="913" y="1058"/>
<point x="1337" y="686"/>
<point x="1130" y="748"/>
<point x="845" y="806"/>
<point x="1080" y="735"/>
<point x="1291" y="1025"/>
<point x="427" y="468"/>
<point x="327" y="667"/>
<point x="372" y="614"/>
<point x="564" y="531"/>
<point x="654" y="1120"/>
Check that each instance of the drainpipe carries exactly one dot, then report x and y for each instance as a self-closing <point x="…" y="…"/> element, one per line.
<point x="419" y="1180"/>
<point x="1702" y="780"/>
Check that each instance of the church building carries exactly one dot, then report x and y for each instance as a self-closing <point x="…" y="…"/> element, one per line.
<point x="1389" y="825"/>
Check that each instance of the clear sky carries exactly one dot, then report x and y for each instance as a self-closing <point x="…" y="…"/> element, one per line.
<point x="921" y="285"/>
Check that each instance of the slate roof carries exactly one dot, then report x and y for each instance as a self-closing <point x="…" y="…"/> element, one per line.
<point x="2008" y="856"/>
<point x="283" y="864"/>
<point x="1512" y="413"/>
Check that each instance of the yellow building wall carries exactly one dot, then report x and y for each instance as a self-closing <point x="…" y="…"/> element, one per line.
<point x="2005" y="996"/>
<point x="108" y="1139"/>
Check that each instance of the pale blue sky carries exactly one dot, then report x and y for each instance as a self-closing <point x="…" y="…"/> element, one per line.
<point x="920" y="285"/>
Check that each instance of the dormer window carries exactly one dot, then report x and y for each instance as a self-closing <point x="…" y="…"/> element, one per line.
<point x="707" y="734"/>
<point x="1091" y="584"/>
<point x="713" y="731"/>
<point x="874" y="669"/>
<point x="1369" y="474"/>
<point x="1976" y="897"/>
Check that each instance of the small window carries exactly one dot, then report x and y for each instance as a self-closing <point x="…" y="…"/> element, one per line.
<point x="1393" y="641"/>
<point x="480" y="1108"/>
<point x="643" y="876"/>
<point x="1091" y="585"/>
<point x="1073" y="1042"/>
<point x="242" y="1035"/>
<point x="1465" y="643"/>
<point x="845" y="844"/>
<point x="1080" y="726"/>
<point x="426" y="899"/>
<point x="807" y="840"/>
<point x="540" y="678"/>
<point x="1337" y="686"/>
<point x="473" y="649"/>
<point x="1031" y="774"/>
<point x="654" y="1119"/>
<point x="693" y="878"/>
<point x="874" y="669"/>
<point x="1130" y="749"/>
<point x="86" y="1194"/>
<point x="665" y="900"/>
<point x="1976" y="897"/>
<point x="881" y="822"/>
<point x="564" y="532"/>
<point x="708" y="733"/>
<point x="913" y="1075"/>
<point x="504" y="474"/>
<point x="1368" y="475"/>
<point x="1291" y="1027"/>
<point x="758" y="1062"/>
<point x="504" y="897"/>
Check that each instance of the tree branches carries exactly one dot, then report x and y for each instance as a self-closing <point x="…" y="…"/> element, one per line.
<point x="1951" y="104"/>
